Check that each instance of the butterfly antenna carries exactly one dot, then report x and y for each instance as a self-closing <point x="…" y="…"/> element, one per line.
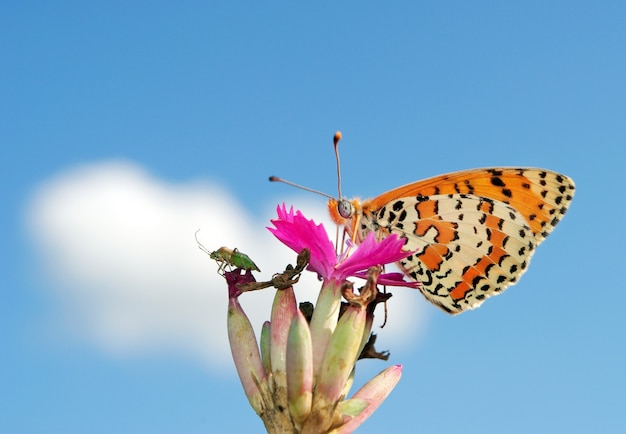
<point x="336" y="140"/>
<point x="293" y="184"/>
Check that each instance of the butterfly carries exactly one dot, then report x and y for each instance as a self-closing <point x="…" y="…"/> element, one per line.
<point x="473" y="232"/>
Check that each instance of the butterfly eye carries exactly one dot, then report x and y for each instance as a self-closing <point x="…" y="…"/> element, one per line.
<point x="345" y="208"/>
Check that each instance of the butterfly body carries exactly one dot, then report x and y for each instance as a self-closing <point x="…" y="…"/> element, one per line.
<point x="472" y="232"/>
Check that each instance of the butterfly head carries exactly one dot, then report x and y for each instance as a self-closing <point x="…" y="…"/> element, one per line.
<point x="344" y="212"/>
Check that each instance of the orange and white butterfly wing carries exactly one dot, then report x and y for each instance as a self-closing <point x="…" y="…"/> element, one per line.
<point x="473" y="231"/>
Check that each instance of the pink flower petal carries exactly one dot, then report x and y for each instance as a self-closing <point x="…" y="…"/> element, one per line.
<point x="390" y="279"/>
<point x="371" y="253"/>
<point x="297" y="233"/>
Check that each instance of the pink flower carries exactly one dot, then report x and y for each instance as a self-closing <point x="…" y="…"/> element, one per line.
<point x="298" y="377"/>
<point x="297" y="233"/>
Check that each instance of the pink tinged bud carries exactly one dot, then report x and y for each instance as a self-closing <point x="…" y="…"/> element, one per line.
<point x="246" y="355"/>
<point x="283" y="311"/>
<point x="374" y="392"/>
<point x="335" y="371"/>
<point x="346" y="388"/>
<point x="350" y="408"/>
<point x="299" y="369"/>
<point x="367" y="329"/>
<point x="265" y="346"/>
<point x="324" y="321"/>
<point x="341" y="355"/>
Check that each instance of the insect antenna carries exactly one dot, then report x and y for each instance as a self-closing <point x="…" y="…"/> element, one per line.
<point x="301" y="187"/>
<point x="336" y="140"/>
<point x="200" y="245"/>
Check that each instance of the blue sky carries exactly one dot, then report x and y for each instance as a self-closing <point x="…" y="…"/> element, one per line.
<point x="126" y="127"/>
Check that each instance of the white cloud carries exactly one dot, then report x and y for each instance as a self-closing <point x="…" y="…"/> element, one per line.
<point x="118" y="246"/>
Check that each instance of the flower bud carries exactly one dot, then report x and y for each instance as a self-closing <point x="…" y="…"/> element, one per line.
<point x="299" y="369"/>
<point x="246" y="355"/>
